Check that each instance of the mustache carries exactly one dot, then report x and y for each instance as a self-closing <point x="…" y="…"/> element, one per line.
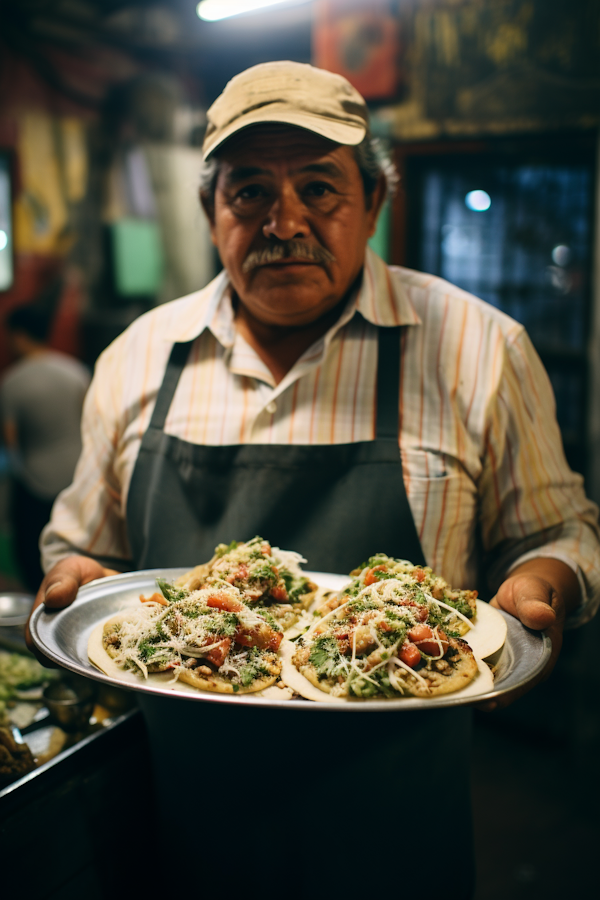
<point x="287" y="250"/>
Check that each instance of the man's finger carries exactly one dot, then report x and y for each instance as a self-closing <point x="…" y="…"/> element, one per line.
<point x="529" y="598"/>
<point x="536" y="614"/>
<point x="59" y="589"/>
<point x="62" y="583"/>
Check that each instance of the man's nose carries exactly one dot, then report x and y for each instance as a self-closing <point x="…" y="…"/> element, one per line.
<point x="286" y="218"/>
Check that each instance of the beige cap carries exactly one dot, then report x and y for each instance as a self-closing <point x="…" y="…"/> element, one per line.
<point x="292" y="93"/>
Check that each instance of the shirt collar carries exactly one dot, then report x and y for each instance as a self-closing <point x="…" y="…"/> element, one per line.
<point x="381" y="300"/>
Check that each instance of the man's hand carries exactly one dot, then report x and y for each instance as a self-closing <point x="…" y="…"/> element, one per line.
<point x="539" y="593"/>
<point x="59" y="589"/>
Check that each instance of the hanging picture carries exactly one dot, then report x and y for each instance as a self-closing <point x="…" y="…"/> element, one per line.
<point x="361" y="41"/>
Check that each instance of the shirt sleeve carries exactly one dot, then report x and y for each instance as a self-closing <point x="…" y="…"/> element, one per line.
<point x="87" y="517"/>
<point x="532" y="505"/>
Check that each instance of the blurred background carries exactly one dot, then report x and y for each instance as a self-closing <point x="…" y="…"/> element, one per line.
<point x="491" y="110"/>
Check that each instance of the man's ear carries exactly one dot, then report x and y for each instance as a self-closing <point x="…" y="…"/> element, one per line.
<point x="376" y="201"/>
<point x="209" y="210"/>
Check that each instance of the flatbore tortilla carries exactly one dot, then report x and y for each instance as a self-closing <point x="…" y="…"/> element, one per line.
<point x="100" y="658"/>
<point x="388" y="639"/>
<point x="267" y="577"/>
<point x="481" y="683"/>
<point x="103" y="651"/>
<point x="488" y="631"/>
<point x="483" y="627"/>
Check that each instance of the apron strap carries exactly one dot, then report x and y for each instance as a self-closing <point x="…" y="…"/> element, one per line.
<point x="175" y="366"/>
<point x="388" y="383"/>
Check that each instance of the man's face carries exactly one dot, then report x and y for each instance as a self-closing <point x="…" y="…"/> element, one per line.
<point x="278" y="184"/>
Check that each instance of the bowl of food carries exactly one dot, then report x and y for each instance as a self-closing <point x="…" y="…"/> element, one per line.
<point x="14" y="608"/>
<point x="70" y="702"/>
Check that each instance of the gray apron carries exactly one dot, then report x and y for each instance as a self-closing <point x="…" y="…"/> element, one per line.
<point x="332" y="785"/>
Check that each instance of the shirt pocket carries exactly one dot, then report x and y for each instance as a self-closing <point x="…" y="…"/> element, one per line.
<point x="426" y="465"/>
<point x="444" y="503"/>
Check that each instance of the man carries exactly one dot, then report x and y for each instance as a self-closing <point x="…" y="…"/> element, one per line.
<point x="339" y="408"/>
<point x="42" y="398"/>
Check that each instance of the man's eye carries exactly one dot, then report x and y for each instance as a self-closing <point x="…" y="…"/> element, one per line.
<point x="318" y="189"/>
<point x="251" y="192"/>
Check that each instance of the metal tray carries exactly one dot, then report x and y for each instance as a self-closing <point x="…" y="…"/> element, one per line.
<point x="63" y="637"/>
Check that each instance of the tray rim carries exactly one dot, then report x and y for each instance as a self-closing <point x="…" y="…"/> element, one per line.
<point x="86" y="594"/>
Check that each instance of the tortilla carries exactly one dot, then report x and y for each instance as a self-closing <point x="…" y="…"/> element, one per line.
<point x="481" y="683"/>
<point x="100" y="658"/>
<point x="103" y="655"/>
<point x="488" y="631"/>
<point x="268" y="578"/>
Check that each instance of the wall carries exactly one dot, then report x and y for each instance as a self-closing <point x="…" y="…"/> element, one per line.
<point x="496" y="66"/>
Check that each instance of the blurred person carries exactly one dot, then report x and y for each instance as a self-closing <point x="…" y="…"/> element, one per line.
<point x="338" y="407"/>
<point x="41" y="399"/>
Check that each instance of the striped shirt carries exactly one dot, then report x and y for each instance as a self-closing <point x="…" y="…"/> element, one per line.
<point x="484" y="468"/>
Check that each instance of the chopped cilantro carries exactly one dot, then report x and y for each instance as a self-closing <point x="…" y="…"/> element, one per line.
<point x="294" y="586"/>
<point x="253" y="667"/>
<point x="223" y="624"/>
<point x="358" y="606"/>
<point x="170" y="592"/>
<point x="146" y="649"/>
<point x="461" y="606"/>
<point x="325" y="656"/>
<point x="223" y="549"/>
<point x="266" y="572"/>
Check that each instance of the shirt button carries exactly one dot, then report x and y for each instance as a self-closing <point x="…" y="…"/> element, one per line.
<point x="271" y="407"/>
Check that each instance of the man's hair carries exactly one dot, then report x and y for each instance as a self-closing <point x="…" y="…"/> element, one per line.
<point x="371" y="158"/>
<point x="31" y="320"/>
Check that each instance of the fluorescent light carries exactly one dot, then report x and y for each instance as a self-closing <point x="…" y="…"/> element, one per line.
<point x="478" y="201"/>
<point x="211" y="10"/>
<point x="3" y="240"/>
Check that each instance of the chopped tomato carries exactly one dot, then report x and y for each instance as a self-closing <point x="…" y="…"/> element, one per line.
<point x="240" y="574"/>
<point x="266" y="549"/>
<point x="279" y="593"/>
<point x="222" y="601"/>
<point x="427" y="641"/>
<point x="155" y="598"/>
<point x="262" y="637"/>
<point x="217" y="655"/>
<point x="419" y="633"/>
<point x="409" y="654"/>
<point x="370" y="577"/>
<point x="420" y="575"/>
<point x="419" y="610"/>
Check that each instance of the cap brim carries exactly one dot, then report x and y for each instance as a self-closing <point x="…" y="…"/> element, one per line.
<point x="347" y="133"/>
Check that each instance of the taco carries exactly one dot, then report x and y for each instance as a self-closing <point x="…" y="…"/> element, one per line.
<point x="206" y="638"/>
<point x="386" y="642"/>
<point x="482" y="626"/>
<point x="267" y="578"/>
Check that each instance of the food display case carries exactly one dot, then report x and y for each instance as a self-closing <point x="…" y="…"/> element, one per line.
<point x="67" y="751"/>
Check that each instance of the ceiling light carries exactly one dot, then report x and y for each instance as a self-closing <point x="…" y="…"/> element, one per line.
<point x="211" y="10"/>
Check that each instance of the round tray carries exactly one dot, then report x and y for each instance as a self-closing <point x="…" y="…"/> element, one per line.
<point x="63" y="637"/>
